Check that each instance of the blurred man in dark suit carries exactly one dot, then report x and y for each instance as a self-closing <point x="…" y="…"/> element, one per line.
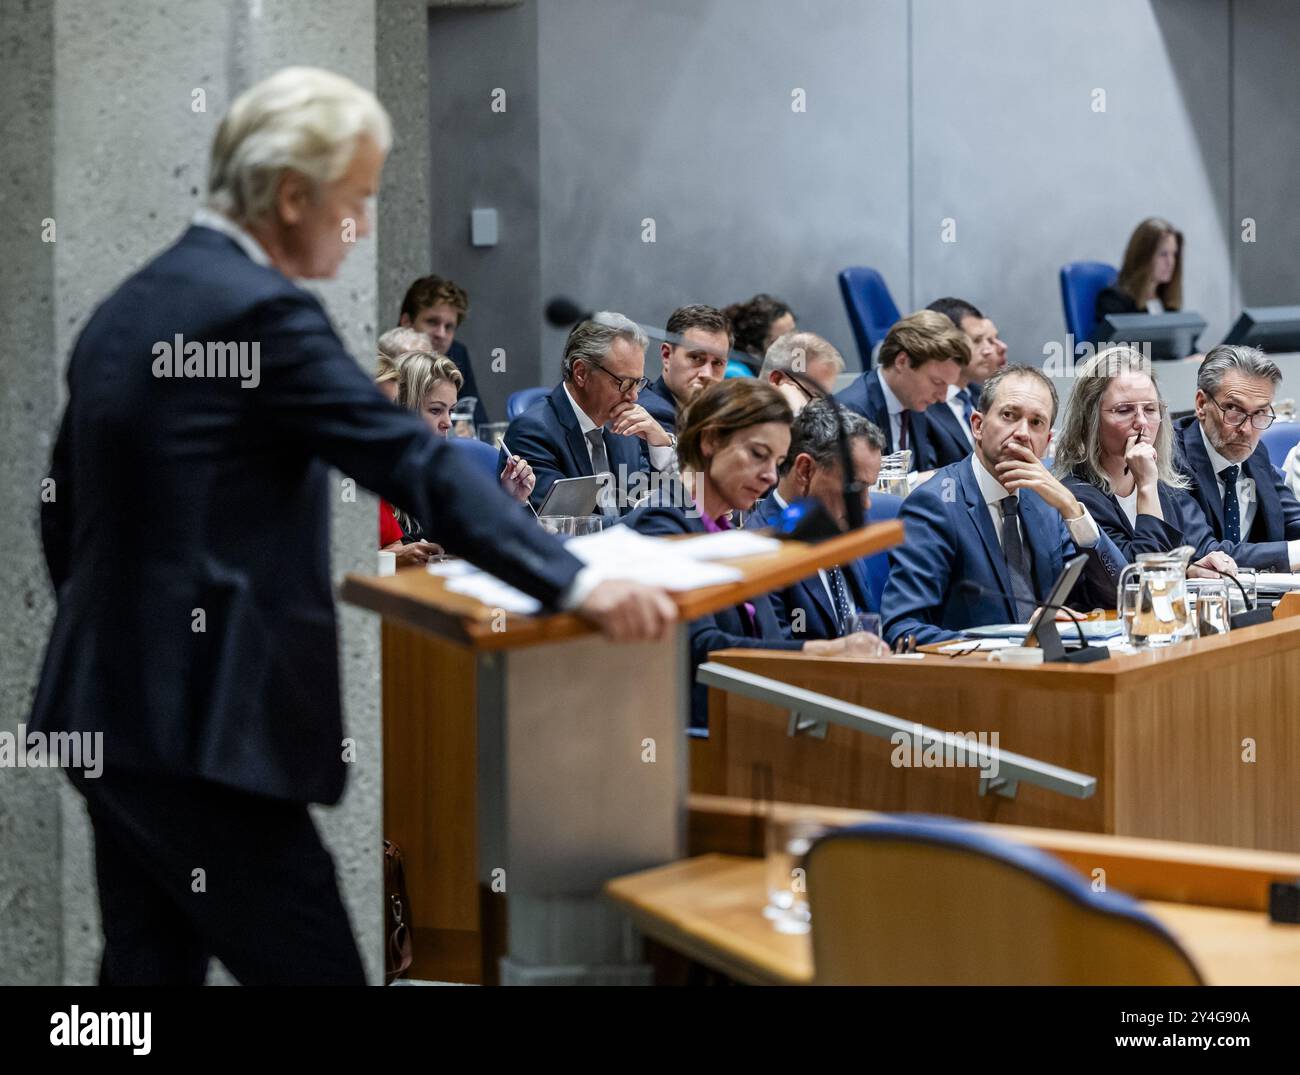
<point x="1241" y="494"/>
<point x="592" y="422"/>
<point x="208" y="398"/>
<point x="823" y="605"/>
<point x="694" y="357"/>
<point x="921" y="356"/>
<point x="950" y="421"/>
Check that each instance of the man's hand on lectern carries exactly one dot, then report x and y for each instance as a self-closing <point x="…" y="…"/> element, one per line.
<point x="629" y="611"/>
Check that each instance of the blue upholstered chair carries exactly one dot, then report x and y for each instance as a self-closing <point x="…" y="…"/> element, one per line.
<point x="1081" y="283"/>
<point x="883" y="508"/>
<point x="914" y="900"/>
<point x="481" y="454"/>
<point x="1278" y="439"/>
<point x="520" y="401"/>
<point x="870" y="307"/>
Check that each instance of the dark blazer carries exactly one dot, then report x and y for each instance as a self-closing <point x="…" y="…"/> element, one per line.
<point x="808" y="596"/>
<point x="726" y="628"/>
<point x="1277" y="512"/>
<point x="950" y="538"/>
<point x="948" y="442"/>
<point x="658" y="399"/>
<point x="867" y="398"/>
<point x="1149" y="534"/>
<point x="459" y="355"/>
<point x="189" y="537"/>
<point x="548" y="436"/>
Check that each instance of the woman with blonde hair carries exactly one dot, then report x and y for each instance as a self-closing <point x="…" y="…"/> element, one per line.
<point x="1115" y="453"/>
<point x="428" y="383"/>
<point x="1151" y="278"/>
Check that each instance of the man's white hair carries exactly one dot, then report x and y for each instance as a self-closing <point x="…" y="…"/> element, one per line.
<point x="301" y="119"/>
<point x="797" y="351"/>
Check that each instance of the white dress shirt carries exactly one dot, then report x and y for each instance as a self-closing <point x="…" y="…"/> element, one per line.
<point x="895" y="407"/>
<point x="959" y="409"/>
<point x="1129" y="505"/>
<point x="1083" y="530"/>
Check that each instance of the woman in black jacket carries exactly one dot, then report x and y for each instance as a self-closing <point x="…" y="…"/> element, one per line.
<point x="1151" y="278"/>
<point x="731" y="439"/>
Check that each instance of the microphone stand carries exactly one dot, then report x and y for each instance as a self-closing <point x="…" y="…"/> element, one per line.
<point x="1046" y="633"/>
<point x="1253" y="614"/>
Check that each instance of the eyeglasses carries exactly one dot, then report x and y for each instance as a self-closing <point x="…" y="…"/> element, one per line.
<point x="1234" y="416"/>
<point x="625" y="384"/>
<point x="1126" y="412"/>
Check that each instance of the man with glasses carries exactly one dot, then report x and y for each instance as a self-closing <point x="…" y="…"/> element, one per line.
<point x="694" y="357"/>
<point x="591" y="423"/>
<point x="803" y="367"/>
<point x="1243" y="497"/>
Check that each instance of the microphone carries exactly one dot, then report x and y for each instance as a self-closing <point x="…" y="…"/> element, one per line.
<point x="563" y="312"/>
<point x="1253" y="614"/>
<point x="1050" y="643"/>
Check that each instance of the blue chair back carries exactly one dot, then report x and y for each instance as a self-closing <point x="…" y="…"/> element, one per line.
<point x="915" y="900"/>
<point x="883" y="508"/>
<point x="736" y="368"/>
<point x="870" y="306"/>
<point x="520" y="401"/>
<point x="1081" y="283"/>
<point x="481" y="454"/>
<point x="1278" y="439"/>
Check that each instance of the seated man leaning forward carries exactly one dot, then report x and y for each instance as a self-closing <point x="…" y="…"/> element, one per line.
<point x="997" y="519"/>
<point x="591" y="423"/>
<point x="824" y="605"/>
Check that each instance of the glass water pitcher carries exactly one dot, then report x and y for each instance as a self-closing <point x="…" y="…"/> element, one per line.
<point x="1152" y="599"/>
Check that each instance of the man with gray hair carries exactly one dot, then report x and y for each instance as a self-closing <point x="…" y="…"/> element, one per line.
<point x="800" y="365"/>
<point x="397" y="341"/>
<point x="824" y="605"/>
<point x="188" y="543"/>
<point x="1244" y="499"/>
<point x="591" y="423"/>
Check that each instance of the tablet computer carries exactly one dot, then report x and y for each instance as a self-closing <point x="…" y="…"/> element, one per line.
<point x="1045" y="613"/>
<point x="572" y="496"/>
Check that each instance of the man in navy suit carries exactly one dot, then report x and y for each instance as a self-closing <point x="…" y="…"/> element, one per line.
<point x="950" y="421"/>
<point x="998" y="519"/>
<point x="591" y="423"/>
<point x="823" y="605"/>
<point x="187" y="537"/>
<point x="1238" y="490"/>
<point x="922" y="355"/>
<point x="694" y="357"/>
<point x="436" y="306"/>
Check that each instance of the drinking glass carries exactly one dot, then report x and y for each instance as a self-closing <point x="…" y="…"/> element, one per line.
<point x="788" y="841"/>
<point x="588" y="524"/>
<point x="561" y="525"/>
<point x="493" y="433"/>
<point x="462" y="417"/>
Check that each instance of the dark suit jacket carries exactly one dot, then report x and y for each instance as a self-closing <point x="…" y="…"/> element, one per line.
<point x="867" y="398"/>
<point x="1149" y="534"/>
<point x="948" y="442"/>
<point x="808" y="599"/>
<point x="1277" y="512"/>
<point x="459" y="355"/>
<point x="548" y="436"/>
<point x="658" y="399"/>
<point x="950" y="538"/>
<point x="726" y="628"/>
<point x="189" y="537"/>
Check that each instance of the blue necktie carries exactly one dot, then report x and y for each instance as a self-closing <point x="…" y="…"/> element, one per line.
<point x="840" y="593"/>
<point x="1231" y="505"/>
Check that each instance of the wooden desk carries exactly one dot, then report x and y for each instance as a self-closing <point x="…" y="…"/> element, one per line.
<point x="710" y="909"/>
<point x="1163" y="732"/>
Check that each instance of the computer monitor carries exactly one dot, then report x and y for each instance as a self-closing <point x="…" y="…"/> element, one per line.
<point x="1271" y="328"/>
<point x="1168" y="336"/>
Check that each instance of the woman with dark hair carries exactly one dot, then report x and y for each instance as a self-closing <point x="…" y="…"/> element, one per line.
<point x="757" y="324"/>
<point x="731" y="438"/>
<point x="1116" y="455"/>
<point x="1151" y="278"/>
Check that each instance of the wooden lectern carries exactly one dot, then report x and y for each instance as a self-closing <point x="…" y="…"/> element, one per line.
<point x="527" y="761"/>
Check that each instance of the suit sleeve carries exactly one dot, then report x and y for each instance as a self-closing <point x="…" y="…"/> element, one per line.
<point x="315" y="396"/>
<point x="527" y="436"/>
<point x="56" y="513"/>
<point x="920" y="573"/>
<point x="1262" y="556"/>
<point x="1098" y="584"/>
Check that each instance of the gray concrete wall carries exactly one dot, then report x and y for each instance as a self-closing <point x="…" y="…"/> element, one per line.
<point x="103" y="138"/>
<point x="488" y="159"/>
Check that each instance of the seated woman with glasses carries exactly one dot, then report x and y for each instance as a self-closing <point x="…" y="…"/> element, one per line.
<point x="1242" y="496"/>
<point x="429" y="383"/>
<point x="731" y="438"/>
<point x="1115" y="454"/>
